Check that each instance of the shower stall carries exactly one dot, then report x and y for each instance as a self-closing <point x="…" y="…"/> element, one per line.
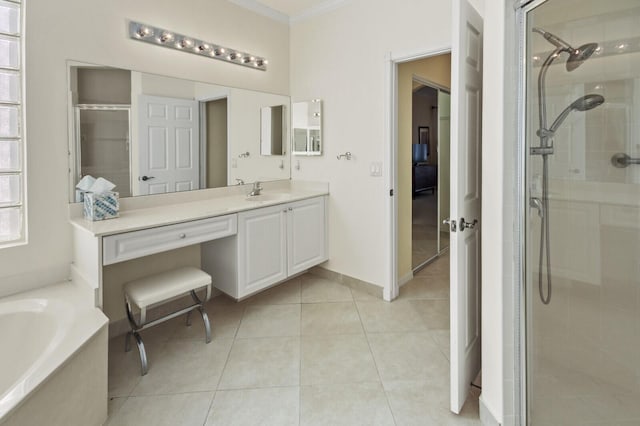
<point x="580" y="155"/>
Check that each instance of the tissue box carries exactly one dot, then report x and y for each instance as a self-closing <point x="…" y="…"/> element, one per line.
<point x="101" y="206"/>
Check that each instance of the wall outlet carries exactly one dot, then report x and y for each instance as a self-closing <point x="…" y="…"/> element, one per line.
<point x="375" y="169"/>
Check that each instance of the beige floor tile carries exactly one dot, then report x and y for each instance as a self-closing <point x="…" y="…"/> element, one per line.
<point x="350" y="404"/>
<point x="262" y="362"/>
<point x="316" y="289"/>
<point x="185" y="366"/>
<point x="114" y="406"/>
<point x="422" y="403"/>
<point x="224" y="320"/>
<point x="336" y="359"/>
<point x="182" y="409"/>
<point x="330" y="318"/>
<point x="426" y="287"/>
<point x="364" y="296"/>
<point x="124" y="367"/>
<point x="434" y="313"/>
<point x="385" y="317"/>
<point x="270" y="321"/>
<point x="442" y="339"/>
<point x="408" y="356"/>
<point x="248" y="407"/>
<point x="287" y="292"/>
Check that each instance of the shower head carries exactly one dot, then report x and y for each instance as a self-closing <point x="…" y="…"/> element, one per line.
<point x="584" y="103"/>
<point x="576" y="56"/>
<point x="579" y="55"/>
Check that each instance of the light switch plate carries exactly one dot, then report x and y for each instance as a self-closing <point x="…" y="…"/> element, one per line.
<point x="375" y="169"/>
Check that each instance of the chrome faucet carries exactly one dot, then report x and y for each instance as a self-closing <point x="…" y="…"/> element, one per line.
<point x="257" y="187"/>
<point x="239" y="182"/>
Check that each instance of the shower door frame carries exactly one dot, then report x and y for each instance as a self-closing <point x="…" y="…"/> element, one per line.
<point x="522" y="305"/>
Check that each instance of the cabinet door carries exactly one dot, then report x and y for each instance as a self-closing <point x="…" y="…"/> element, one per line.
<point x="262" y="249"/>
<point x="307" y="236"/>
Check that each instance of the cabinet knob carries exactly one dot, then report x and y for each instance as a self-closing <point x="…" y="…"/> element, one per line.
<point x="182" y="236"/>
<point x="284" y="211"/>
<point x="290" y="208"/>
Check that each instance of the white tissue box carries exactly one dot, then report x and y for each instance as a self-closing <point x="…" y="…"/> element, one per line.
<point x="101" y="206"/>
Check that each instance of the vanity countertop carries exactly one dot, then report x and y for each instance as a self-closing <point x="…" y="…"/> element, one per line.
<point x="178" y="211"/>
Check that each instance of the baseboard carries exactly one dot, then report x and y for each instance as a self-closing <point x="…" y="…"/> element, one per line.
<point x="405" y="279"/>
<point x="486" y="417"/>
<point x="348" y="281"/>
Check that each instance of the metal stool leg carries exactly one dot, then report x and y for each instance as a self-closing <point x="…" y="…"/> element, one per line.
<point x="207" y="325"/>
<point x="143" y="354"/>
<point x="203" y="314"/>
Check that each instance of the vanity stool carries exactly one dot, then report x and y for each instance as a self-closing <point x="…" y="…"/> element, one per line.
<point x="161" y="288"/>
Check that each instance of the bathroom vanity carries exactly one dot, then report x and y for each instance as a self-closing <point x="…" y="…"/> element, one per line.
<point x="247" y="243"/>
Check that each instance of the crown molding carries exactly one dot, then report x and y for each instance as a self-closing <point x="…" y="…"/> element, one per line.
<point x="262" y="9"/>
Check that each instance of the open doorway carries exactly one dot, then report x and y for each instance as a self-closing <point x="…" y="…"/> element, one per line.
<point x="430" y="156"/>
<point x="422" y="162"/>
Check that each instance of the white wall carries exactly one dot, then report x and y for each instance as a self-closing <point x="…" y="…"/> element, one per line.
<point x="498" y="209"/>
<point x="96" y="32"/>
<point x="339" y="57"/>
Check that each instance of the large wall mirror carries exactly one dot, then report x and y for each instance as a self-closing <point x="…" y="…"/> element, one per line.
<point x="151" y="134"/>
<point x="307" y="127"/>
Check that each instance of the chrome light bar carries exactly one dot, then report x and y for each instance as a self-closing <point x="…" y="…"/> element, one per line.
<point x="162" y="37"/>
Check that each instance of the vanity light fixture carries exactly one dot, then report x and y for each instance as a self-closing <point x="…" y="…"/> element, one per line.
<point x="161" y="37"/>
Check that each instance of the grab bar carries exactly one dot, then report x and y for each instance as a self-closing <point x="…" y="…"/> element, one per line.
<point x="621" y="160"/>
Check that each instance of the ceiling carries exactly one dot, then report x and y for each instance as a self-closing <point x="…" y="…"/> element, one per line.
<point x="289" y="10"/>
<point x="292" y="8"/>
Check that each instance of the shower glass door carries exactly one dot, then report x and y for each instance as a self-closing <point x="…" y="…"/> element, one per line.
<point x="582" y="232"/>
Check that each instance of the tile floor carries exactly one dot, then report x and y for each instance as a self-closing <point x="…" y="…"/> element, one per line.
<point x="309" y="351"/>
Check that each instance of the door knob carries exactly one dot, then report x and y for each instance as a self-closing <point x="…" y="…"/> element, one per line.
<point x="451" y="223"/>
<point x="467" y="225"/>
<point x="146" y="178"/>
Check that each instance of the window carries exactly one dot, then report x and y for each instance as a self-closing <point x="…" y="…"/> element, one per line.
<point x="12" y="228"/>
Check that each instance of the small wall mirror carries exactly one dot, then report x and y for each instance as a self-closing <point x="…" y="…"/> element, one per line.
<point x="307" y="128"/>
<point x="273" y="130"/>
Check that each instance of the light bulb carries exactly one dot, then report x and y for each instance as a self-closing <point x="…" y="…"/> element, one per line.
<point x="165" y="37"/>
<point x="143" y="32"/>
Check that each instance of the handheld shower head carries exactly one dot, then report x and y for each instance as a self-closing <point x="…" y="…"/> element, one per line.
<point x="584" y="103"/>
<point x="576" y="56"/>
<point x="587" y="102"/>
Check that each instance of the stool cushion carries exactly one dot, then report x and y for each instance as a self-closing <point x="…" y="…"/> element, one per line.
<point x="157" y="288"/>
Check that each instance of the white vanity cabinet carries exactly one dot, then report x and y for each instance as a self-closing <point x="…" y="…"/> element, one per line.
<point x="273" y="243"/>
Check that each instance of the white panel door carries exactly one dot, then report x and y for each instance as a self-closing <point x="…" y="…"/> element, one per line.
<point x="262" y="248"/>
<point x="169" y="158"/>
<point x="307" y="237"/>
<point x="466" y="119"/>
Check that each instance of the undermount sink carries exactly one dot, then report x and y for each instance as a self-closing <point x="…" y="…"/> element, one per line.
<point x="267" y="197"/>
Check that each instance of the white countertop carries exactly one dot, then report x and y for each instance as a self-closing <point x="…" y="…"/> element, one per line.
<point x="211" y="203"/>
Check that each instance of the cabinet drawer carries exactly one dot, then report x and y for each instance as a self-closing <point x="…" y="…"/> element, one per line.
<point x="131" y="245"/>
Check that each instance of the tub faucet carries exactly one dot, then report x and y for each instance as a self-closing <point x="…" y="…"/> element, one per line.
<point x="257" y="187"/>
<point x="239" y="181"/>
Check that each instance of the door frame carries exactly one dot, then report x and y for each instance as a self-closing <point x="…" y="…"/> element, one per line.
<point x="391" y="288"/>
